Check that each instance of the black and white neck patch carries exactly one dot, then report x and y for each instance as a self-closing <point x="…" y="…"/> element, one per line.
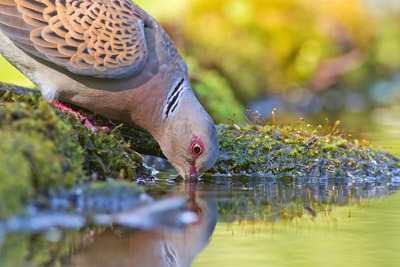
<point x="173" y="99"/>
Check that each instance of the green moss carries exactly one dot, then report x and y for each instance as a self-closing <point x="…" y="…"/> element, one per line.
<point x="43" y="149"/>
<point x="108" y="155"/>
<point x="38" y="153"/>
<point x="298" y="151"/>
<point x="16" y="187"/>
<point x="44" y="140"/>
<point x="100" y="153"/>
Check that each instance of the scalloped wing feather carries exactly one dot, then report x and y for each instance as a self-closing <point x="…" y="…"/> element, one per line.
<point x="100" y="38"/>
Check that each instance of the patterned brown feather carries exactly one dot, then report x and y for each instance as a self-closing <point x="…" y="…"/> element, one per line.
<point x="100" y="38"/>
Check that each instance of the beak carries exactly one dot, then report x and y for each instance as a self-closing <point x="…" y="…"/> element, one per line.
<point x="193" y="173"/>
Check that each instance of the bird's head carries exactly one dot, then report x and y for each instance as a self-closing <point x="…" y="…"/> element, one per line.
<point x="189" y="137"/>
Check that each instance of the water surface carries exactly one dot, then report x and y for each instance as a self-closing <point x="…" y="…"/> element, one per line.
<point x="240" y="221"/>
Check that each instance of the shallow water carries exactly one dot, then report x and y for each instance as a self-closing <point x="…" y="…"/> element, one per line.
<point x="359" y="227"/>
<point x="241" y="221"/>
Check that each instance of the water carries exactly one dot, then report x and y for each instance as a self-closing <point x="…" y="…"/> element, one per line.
<point x="347" y="225"/>
<point x="241" y="221"/>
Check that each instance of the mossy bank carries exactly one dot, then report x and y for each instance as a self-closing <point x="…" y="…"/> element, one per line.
<point x="269" y="150"/>
<point x="43" y="149"/>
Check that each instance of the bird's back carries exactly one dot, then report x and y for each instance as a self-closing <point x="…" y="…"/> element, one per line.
<point x="86" y="51"/>
<point x="94" y="38"/>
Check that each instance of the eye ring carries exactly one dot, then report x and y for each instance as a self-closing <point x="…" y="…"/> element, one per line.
<point x="197" y="149"/>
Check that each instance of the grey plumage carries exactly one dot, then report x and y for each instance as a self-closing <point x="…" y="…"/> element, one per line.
<point x="114" y="59"/>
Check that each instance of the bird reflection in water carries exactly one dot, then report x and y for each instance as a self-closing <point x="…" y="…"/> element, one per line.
<point x="158" y="247"/>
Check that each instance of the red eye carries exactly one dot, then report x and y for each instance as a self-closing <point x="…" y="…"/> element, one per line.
<point x="197" y="149"/>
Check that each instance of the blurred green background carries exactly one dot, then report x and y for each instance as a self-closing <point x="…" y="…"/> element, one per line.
<point x="337" y="59"/>
<point x="317" y="59"/>
<point x="304" y="57"/>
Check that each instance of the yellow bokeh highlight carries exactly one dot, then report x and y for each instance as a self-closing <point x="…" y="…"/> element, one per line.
<point x="9" y="74"/>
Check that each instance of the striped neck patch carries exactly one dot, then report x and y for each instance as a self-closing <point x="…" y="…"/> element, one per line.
<point x="173" y="99"/>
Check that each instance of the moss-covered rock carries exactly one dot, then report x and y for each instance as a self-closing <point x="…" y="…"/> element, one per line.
<point x="106" y="154"/>
<point x="38" y="152"/>
<point x="299" y="151"/>
<point x="252" y="149"/>
<point x="15" y="189"/>
<point x="43" y="149"/>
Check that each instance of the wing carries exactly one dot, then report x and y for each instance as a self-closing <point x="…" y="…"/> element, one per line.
<point x="101" y="38"/>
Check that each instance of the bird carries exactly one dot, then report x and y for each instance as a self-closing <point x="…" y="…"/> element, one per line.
<point x="112" y="58"/>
